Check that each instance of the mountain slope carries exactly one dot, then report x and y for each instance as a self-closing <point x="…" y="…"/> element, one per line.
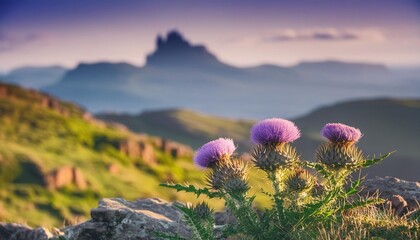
<point x="56" y="161"/>
<point x="35" y="77"/>
<point x="185" y="126"/>
<point x="387" y="124"/>
<point x="178" y="74"/>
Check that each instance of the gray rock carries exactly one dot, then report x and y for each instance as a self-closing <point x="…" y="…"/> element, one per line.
<point x="13" y="231"/>
<point x="116" y="218"/>
<point x="402" y="196"/>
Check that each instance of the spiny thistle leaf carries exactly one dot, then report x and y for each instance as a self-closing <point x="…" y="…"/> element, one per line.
<point x="369" y="162"/>
<point x="191" y="189"/>
<point x="319" y="168"/>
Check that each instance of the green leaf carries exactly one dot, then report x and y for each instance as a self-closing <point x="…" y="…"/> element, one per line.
<point x="319" y="168"/>
<point x="372" y="161"/>
<point x="191" y="189"/>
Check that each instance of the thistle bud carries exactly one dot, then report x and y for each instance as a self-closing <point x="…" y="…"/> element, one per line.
<point x="202" y="210"/>
<point x="269" y="158"/>
<point x="237" y="185"/>
<point x="339" y="155"/>
<point x="227" y="170"/>
<point x="299" y="180"/>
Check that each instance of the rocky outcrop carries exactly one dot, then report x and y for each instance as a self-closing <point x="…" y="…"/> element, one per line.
<point x="3" y="91"/>
<point x="12" y="231"/>
<point x="113" y="168"/>
<point x="402" y="196"/>
<point x="138" y="148"/>
<point x="65" y="176"/>
<point x="175" y="51"/>
<point x="116" y="218"/>
<point x="172" y="148"/>
<point x="88" y="117"/>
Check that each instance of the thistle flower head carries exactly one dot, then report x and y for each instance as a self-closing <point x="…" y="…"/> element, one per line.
<point x="274" y="131"/>
<point x="338" y="132"/>
<point x="214" y="151"/>
<point x="299" y="180"/>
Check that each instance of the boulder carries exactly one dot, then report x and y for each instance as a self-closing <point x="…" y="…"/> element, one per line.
<point x="402" y="196"/>
<point x="397" y="204"/>
<point x="13" y="231"/>
<point x="116" y="218"/>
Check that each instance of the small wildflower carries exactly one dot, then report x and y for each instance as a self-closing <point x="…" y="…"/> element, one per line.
<point x="274" y="131"/>
<point x="214" y="151"/>
<point x="338" y="132"/>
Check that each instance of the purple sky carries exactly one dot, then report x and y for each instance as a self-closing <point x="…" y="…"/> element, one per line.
<point x="242" y="33"/>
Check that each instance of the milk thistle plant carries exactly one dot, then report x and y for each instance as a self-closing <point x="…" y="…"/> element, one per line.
<point x="304" y="193"/>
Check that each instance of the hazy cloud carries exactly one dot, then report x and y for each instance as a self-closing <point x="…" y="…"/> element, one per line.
<point x="329" y="34"/>
<point x="12" y="41"/>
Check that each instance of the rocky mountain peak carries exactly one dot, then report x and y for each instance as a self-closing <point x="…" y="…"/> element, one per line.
<point x="175" y="51"/>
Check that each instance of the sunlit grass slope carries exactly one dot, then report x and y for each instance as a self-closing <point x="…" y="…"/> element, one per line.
<point x="36" y="138"/>
<point x="39" y="133"/>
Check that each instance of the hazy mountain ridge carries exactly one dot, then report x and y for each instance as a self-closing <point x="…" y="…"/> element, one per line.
<point x="35" y="77"/>
<point x="387" y="125"/>
<point x="182" y="75"/>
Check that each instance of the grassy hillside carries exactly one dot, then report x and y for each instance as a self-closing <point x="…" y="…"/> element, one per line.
<point x="186" y="126"/>
<point x="387" y="124"/>
<point x="39" y="134"/>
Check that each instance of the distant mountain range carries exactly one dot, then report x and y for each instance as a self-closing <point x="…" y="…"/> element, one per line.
<point x="35" y="77"/>
<point x="179" y="74"/>
<point x="387" y="125"/>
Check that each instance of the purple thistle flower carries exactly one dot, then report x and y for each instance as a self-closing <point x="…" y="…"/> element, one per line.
<point x="214" y="151"/>
<point x="274" y="131"/>
<point x="338" y="132"/>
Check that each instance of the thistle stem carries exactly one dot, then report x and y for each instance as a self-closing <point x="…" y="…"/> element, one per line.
<point x="278" y="201"/>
